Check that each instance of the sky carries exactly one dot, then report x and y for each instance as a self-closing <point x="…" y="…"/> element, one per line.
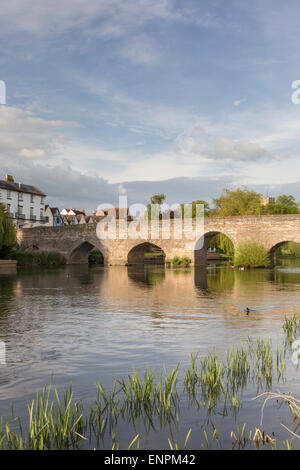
<point x="136" y="97"/>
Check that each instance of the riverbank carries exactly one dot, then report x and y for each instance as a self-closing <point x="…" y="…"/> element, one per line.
<point x="38" y="258"/>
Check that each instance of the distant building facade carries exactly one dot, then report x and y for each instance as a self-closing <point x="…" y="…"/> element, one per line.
<point x="267" y="200"/>
<point x="24" y="203"/>
<point x="53" y="216"/>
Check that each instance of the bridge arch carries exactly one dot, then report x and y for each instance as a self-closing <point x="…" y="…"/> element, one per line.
<point x="201" y="246"/>
<point x="79" y="254"/>
<point x="272" y="251"/>
<point x="146" y="253"/>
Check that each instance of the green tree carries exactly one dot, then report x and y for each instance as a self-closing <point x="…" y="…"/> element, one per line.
<point x="237" y="202"/>
<point x="283" y="205"/>
<point x="8" y="237"/>
<point x="222" y="244"/>
<point x="192" y="211"/>
<point x="156" y="199"/>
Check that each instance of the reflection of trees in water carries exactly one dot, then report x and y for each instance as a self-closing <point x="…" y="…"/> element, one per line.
<point x="250" y="277"/>
<point x="70" y="277"/>
<point x="146" y="275"/>
<point x="7" y="292"/>
<point x="220" y="279"/>
<point x="287" y="276"/>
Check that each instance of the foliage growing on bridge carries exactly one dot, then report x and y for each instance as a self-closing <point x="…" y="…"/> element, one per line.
<point x="251" y="254"/>
<point x="7" y="233"/>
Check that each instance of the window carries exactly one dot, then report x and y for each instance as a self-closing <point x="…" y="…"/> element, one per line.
<point x="20" y="197"/>
<point x="41" y="214"/>
<point x="42" y="199"/>
<point x="31" y="198"/>
<point x="8" y="208"/>
<point x="8" y="194"/>
<point x="31" y="213"/>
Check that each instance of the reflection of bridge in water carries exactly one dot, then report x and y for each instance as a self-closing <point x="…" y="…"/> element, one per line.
<point x="75" y="242"/>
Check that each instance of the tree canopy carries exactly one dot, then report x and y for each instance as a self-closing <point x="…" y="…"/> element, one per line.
<point x="193" y="208"/>
<point x="283" y="205"/>
<point x="246" y="202"/>
<point x="156" y="199"/>
<point x="7" y="233"/>
<point x="237" y="202"/>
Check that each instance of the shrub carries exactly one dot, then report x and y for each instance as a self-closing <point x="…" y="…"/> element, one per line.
<point x="176" y="261"/>
<point x="96" y="257"/>
<point x="38" y="258"/>
<point x="251" y="254"/>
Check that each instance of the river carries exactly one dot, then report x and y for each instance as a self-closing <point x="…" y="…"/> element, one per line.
<point x="86" y="325"/>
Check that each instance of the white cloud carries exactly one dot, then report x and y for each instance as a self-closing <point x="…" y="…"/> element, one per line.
<point x="140" y="50"/>
<point x="239" y="102"/>
<point x="115" y="17"/>
<point x="24" y="134"/>
<point x="32" y="153"/>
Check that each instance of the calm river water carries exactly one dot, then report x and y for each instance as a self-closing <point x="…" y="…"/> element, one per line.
<point x="87" y="325"/>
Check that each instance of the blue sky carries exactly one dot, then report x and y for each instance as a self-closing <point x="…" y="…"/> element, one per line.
<point x="143" y="96"/>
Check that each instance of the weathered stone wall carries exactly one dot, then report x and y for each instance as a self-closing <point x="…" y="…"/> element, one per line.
<point x="74" y="242"/>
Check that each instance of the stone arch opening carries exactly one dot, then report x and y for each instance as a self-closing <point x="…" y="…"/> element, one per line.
<point x="83" y="254"/>
<point x="202" y="253"/>
<point x="284" y="249"/>
<point x="146" y="253"/>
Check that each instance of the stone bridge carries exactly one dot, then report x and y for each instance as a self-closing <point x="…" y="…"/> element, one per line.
<point x="75" y="242"/>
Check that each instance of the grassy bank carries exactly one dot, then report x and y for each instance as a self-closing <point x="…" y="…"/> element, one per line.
<point x="38" y="258"/>
<point x="152" y="401"/>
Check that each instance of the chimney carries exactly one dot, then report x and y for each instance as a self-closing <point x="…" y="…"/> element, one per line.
<point x="82" y="211"/>
<point x="9" y="178"/>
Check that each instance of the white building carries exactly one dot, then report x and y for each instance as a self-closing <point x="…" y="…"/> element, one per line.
<point x="24" y="203"/>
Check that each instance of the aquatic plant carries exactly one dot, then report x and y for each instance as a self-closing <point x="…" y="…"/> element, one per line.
<point x="185" y="262"/>
<point x="291" y="328"/>
<point x="151" y="400"/>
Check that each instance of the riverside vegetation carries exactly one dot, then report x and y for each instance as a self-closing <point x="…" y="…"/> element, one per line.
<point x="152" y="401"/>
<point x="38" y="258"/>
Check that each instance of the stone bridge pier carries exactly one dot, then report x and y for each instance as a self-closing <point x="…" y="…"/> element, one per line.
<point x="75" y="242"/>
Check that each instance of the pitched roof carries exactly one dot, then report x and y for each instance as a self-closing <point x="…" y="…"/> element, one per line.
<point x="21" y="188"/>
